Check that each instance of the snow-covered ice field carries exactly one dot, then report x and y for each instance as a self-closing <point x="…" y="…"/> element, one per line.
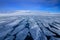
<point x="30" y="28"/>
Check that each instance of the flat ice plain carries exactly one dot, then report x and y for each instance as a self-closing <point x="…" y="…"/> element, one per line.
<point x="29" y="27"/>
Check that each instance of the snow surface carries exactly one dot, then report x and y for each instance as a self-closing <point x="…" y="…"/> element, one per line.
<point x="29" y="28"/>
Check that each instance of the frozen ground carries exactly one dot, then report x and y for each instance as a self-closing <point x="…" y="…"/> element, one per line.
<point x="30" y="28"/>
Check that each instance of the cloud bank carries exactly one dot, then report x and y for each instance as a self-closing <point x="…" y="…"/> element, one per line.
<point x="29" y="12"/>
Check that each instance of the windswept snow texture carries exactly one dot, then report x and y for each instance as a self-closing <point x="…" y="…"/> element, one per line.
<point x="30" y="28"/>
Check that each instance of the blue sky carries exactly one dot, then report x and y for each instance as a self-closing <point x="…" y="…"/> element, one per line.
<point x="45" y="5"/>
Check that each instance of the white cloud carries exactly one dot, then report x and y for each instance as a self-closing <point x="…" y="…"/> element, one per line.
<point x="28" y="12"/>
